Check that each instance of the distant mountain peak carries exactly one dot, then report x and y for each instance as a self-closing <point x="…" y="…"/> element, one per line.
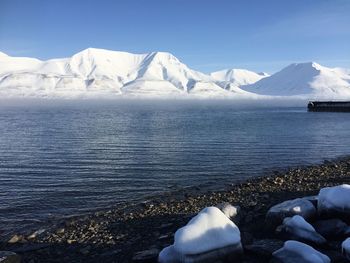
<point x="105" y="52"/>
<point x="162" y="54"/>
<point x="237" y="77"/>
<point x="304" y="65"/>
<point x="99" y="53"/>
<point x="308" y="78"/>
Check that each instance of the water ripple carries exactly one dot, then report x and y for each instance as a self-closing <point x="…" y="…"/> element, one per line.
<point x="56" y="161"/>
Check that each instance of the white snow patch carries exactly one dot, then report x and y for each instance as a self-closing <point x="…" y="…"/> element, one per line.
<point x="209" y="230"/>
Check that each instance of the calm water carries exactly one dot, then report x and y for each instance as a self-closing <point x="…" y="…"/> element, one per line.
<point x="68" y="159"/>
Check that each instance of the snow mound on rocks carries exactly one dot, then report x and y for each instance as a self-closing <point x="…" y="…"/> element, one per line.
<point x="299" y="206"/>
<point x="294" y="251"/>
<point x="298" y="229"/>
<point x="210" y="230"/>
<point x="333" y="201"/>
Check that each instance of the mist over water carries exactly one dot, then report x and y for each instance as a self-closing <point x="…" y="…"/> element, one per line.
<point x="62" y="158"/>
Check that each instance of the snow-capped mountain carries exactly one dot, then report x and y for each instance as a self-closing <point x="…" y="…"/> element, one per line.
<point x="232" y="79"/>
<point x="308" y="79"/>
<point x="102" y="72"/>
<point x="238" y="77"/>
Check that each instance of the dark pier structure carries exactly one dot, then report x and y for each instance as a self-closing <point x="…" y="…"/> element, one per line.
<point x="337" y="106"/>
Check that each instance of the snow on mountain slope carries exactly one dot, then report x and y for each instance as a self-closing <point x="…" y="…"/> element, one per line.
<point x="238" y="77"/>
<point x="308" y="79"/>
<point x="151" y="88"/>
<point x="102" y="71"/>
<point x="16" y="64"/>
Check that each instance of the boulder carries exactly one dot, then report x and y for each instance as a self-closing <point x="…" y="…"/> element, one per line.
<point x="332" y="228"/>
<point x="299" y="206"/>
<point x="294" y="251"/>
<point x="296" y="228"/>
<point x="36" y="234"/>
<point x="9" y="257"/>
<point x="335" y="202"/>
<point x="346" y="248"/>
<point x="15" y="239"/>
<point x="207" y="237"/>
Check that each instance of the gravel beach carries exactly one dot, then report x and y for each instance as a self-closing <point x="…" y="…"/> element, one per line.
<point x="137" y="233"/>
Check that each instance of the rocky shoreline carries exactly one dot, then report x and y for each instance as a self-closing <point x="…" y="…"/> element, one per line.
<point x="138" y="233"/>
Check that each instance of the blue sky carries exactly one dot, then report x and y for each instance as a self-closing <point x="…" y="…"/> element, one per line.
<point x="205" y="35"/>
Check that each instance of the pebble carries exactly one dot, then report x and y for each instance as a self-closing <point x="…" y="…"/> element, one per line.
<point x="60" y="231"/>
<point x="15" y="239"/>
<point x="71" y="241"/>
<point x="36" y="234"/>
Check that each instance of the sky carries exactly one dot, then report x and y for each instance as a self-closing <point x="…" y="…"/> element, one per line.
<point x="205" y="35"/>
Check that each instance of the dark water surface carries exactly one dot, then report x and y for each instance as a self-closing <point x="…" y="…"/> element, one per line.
<point x="66" y="159"/>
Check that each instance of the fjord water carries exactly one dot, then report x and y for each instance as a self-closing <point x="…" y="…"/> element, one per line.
<point x="72" y="158"/>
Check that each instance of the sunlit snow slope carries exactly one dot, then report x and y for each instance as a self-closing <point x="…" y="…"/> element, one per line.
<point x="238" y="77"/>
<point x="97" y="72"/>
<point x="94" y="73"/>
<point x="305" y="79"/>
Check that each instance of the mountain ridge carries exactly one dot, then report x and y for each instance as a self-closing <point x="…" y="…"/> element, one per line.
<point x="100" y="72"/>
<point x="304" y="79"/>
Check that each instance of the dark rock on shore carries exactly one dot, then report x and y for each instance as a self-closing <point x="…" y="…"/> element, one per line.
<point x="332" y="228"/>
